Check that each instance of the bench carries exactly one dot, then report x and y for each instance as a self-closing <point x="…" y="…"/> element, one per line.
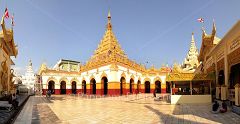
<point x="6" y="105"/>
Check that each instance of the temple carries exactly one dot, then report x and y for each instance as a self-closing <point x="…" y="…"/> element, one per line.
<point x="108" y="72"/>
<point x="8" y="49"/>
<point x="191" y="61"/>
<point x="29" y="79"/>
<point x="212" y="72"/>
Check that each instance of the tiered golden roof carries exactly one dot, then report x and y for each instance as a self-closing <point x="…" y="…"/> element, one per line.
<point x="109" y="52"/>
<point x="108" y="44"/>
<point x="6" y="37"/>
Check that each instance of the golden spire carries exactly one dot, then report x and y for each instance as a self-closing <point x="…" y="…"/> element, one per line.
<point x="109" y="44"/>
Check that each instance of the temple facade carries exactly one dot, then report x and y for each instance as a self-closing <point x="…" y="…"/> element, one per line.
<point x="108" y="72"/>
<point x="221" y="57"/>
<point x="8" y="49"/>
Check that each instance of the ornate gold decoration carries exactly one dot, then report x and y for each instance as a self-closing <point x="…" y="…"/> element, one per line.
<point x="208" y="42"/>
<point x="4" y="74"/>
<point x="220" y="64"/>
<point x="11" y="79"/>
<point x="189" y="77"/>
<point x="234" y="57"/>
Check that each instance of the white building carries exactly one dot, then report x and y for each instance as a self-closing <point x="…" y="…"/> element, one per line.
<point x="29" y="79"/>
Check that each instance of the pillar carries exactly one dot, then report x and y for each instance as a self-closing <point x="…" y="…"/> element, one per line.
<point x="218" y="91"/>
<point x="152" y="87"/>
<point x="163" y="88"/>
<point x="237" y="94"/>
<point x="226" y="73"/>
<point x="223" y="92"/>
<point x="142" y="88"/>
<point x="88" y="89"/>
<point x="191" y="87"/>
<point x="114" y="88"/>
<point x="99" y="88"/>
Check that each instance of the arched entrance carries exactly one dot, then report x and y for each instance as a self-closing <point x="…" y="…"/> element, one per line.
<point x="93" y="86"/>
<point x="158" y="86"/>
<point x="147" y="87"/>
<point x="105" y="85"/>
<point x="122" y="81"/>
<point x="74" y="87"/>
<point x="131" y="85"/>
<point x="168" y="87"/>
<point x="221" y="78"/>
<point x="51" y="86"/>
<point x="138" y="86"/>
<point x="234" y="75"/>
<point x="63" y="87"/>
<point x="84" y="87"/>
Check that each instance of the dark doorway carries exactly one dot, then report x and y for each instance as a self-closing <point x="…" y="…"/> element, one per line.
<point x="131" y="85"/>
<point x="105" y="85"/>
<point x="168" y="87"/>
<point x="93" y="86"/>
<point x="158" y="86"/>
<point x="221" y="78"/>
<point x="234" y="75"/>
<point x="74" y="87"/>
<point x="147" y="87"/>
<point x="84" y="87"/>
<point x="63" y="87"/>
<point x="51" y="86"/>
<point x="122" y="81"/>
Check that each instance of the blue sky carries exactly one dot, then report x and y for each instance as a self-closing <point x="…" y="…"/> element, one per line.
<point x="157" y="31"/>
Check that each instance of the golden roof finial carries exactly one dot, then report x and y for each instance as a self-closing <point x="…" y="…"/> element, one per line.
<point x="109" y="25"/>
<point x="214" y="28"/>
<point x="109" y="14"/>
<point x="192" y="36"/>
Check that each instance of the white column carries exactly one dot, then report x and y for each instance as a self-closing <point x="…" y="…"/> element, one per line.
<point x="237" y="95"/>
<point x="226" y="67"/>
<point x="218" y="88"/>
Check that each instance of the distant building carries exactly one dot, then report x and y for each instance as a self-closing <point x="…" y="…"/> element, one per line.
<point x="191" y="63"/>
<point x="29" y="79"/>
<point x="67" y="65"/>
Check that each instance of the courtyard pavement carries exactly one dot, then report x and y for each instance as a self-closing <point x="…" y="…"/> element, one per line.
<point x="132" y="109"/>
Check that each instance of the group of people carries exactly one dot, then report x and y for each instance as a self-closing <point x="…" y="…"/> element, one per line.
<point x="216" y="107"/>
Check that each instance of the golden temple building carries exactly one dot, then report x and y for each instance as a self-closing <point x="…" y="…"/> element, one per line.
<point x="8" y="48"/>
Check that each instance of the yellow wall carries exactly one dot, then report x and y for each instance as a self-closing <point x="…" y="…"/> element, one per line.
<point x="179" y="99"/>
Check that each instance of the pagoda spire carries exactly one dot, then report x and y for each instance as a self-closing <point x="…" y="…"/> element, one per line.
<point x="191" y="61"/>
<point x="108" y="45"/>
